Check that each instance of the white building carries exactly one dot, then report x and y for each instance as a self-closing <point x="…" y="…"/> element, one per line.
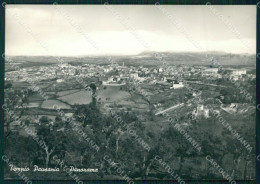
<point x="211" y="70"/>
<point x="134" y="75"/>
<point x="175" y="86"/>
<point x="59" y="80"/>
<point x="160" y="69"/>
<point x="238" y="72"/>
<point x="201" y="111"/>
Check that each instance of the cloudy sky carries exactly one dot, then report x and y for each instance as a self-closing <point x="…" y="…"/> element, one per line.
<point x="78" y="30"/>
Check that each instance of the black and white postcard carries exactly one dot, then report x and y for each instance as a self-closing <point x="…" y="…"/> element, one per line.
<point x="129" y="92"/>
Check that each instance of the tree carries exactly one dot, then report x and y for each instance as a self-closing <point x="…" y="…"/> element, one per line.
<point x="15" y="101"/>
<point x="27" y="122"/>
<point x="88" y="115"/>
<point x="8" y="85"/>
<point x="94" y="89"/>
<point x="53" y="140"/>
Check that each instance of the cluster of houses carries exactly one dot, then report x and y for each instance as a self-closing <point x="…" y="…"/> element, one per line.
<point x="106" y="73"/>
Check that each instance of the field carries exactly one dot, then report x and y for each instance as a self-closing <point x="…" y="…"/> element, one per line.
<point x="67" y="92"/>
<point x="81" y="97"/>
<point x="112" y="94"/>
<point x="48" y="104"/>
<point x="33" y="104"/>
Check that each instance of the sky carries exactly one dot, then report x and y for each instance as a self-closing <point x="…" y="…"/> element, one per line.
<point x="81" y="30"/>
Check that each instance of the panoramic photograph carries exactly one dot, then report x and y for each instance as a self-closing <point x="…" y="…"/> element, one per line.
<point x="129" y="92"/>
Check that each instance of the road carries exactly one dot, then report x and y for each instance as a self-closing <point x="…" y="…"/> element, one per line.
<point x="173" y="107"/>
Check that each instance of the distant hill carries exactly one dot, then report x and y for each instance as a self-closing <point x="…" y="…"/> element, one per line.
<point x="190" y="58"/>
<point x="149" y="59"/>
